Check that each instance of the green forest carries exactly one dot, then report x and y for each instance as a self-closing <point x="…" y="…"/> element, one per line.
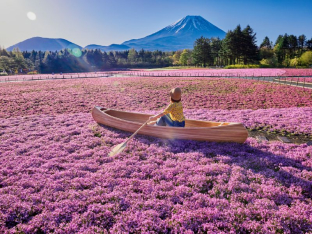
<point x="237" y="50"/>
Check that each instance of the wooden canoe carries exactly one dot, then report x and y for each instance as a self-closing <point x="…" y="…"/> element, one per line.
<point x="193" y="130"/>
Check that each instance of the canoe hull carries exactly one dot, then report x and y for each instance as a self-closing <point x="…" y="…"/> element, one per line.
<point x="129" y="121"/>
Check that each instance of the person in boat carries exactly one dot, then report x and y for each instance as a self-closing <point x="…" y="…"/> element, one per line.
<point x="173" y="115"/>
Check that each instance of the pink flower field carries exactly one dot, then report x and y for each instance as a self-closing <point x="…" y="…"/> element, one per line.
<point x="203" y="72"/>
<point x="209" y="72"/>
<point x="252" y="72"/>
<point x="140" y="94"/>
<point x="53" y="76"/>
<point x="56" y="176"/>
<point x="297" y="79"/>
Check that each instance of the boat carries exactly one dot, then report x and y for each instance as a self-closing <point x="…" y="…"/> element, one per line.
<point x="194" y="129"/>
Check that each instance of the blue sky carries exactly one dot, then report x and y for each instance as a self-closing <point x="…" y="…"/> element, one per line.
<point x="105" y="22"/>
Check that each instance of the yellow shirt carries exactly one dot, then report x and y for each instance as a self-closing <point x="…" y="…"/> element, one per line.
<point x="175" y="109"/>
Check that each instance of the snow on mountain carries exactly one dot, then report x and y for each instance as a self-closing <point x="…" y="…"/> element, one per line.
<point x="179" y="35"/>
<point x="192" y="23"/>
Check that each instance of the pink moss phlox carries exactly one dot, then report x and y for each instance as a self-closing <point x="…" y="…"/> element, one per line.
<point x="55" y="176"/>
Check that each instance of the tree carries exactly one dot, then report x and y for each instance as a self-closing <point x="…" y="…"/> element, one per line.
<point x="293" y="45"/>
<point x="3" y="52"/>
<point x="216" y="45"/>
<point x="111" y="59"/>
<point x="309" y="44"/>
<point x="233" y="45"/>
<point x="176" y="57"/>
<point x="202" y="52"/>
<point x="240" y="46"/>
<point x="184" y="58"/>
<point x="266" y="53"/>
<point x="133" y="55"/>
<point x="302" y="40"/>
<point x="98" y="58"/>
<point x="249" y="49"/>
<point x="6" y="63"/>
<point x="266" y="43"/>
<point x="295" y="62"/>
<point x="306" y="58"/>
<point x="281" y="47"/>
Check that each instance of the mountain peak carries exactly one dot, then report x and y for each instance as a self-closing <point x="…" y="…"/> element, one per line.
<point x="43" y="44"/>
<point x="191" y="23"/>
<point x="179" y="35"/>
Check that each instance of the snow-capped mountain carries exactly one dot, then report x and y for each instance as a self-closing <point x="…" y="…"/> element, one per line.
<point x="179" y="35"/>
<point x="43" y="44"/>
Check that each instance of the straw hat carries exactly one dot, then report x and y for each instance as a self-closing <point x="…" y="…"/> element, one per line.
<point x="175" y="94"/>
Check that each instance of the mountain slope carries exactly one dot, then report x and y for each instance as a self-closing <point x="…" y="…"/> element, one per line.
<point x="112" y="47"/>
<point x="179" y="35"/>
<point x="43" y="44"/>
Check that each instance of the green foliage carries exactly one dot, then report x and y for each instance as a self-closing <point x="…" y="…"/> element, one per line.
<point x="309" y="44"/>
<point x="266" y="43"/>
<point x="202" y="52"/>
<point x="237" y="66"/>
<point x="32" y="73"/>
<point x="175" y="68"/>
<point x="306" y="58"/>
<point x="132" y="55"/>
<point x="185" y="58"/>
<point x="266" y="53"/>
<point x="295" y="62"/>
<point x="239" y="46"/>
<point x="176" y="57"/>
<point x="269" y="62"/>
<point x="302" y="40"/>
<point x="286" y="62"/>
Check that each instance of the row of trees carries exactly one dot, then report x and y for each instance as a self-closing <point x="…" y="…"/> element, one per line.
<point x="86" y="60"/>
<point x="288" y="50"/>
<point x="14" y="61"/>
<point x="238" y="47"/>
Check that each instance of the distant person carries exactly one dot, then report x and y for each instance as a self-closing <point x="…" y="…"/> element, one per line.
<point x="173" y="115"/>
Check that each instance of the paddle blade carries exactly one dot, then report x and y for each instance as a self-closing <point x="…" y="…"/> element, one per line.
<point x="117" y="149"/>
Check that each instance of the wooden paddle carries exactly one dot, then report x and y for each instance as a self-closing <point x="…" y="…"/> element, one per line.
<point x="119" y="148"/>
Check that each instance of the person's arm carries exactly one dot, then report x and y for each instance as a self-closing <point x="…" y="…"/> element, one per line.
<point x="166" y="111"/>
<point x="155" y="117"/>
